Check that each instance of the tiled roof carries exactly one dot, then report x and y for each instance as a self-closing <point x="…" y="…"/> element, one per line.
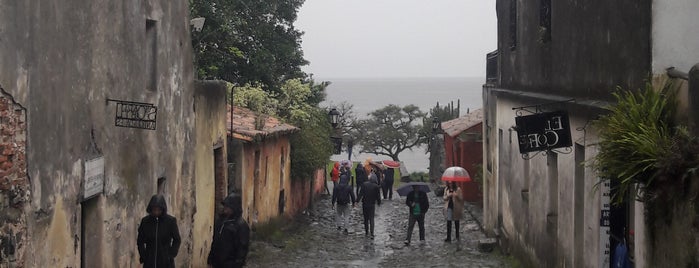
<point x="243" y="126"/>
<point x="454" y="127"/>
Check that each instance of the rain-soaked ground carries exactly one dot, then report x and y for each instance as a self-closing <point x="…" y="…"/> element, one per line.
<point x="314" y="241"/>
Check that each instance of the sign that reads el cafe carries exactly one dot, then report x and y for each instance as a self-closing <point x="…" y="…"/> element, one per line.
<point x="135" y="115"/>
<point x="543" y="131"/>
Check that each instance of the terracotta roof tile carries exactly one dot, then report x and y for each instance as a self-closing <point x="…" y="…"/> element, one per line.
<point x="244" y="125"/>
<point x="454" y="127"/>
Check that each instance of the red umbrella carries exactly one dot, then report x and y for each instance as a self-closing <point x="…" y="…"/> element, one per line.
<point x="391" y="164"/>
<point x="457" y="174"/>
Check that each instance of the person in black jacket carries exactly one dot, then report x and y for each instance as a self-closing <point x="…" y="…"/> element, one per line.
<point x="387" y="185"/>
<point x="229" y="247"/>
<point x="343" y="194"/>
<point x="370" y="195"/>
<point x="158" y="236"/>
<point x="361" y="175"/>
<point x="418" y="205"/>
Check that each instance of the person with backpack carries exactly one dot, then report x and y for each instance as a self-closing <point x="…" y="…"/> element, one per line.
<point x="343" y="195"/>
<point x="418" y="205"/>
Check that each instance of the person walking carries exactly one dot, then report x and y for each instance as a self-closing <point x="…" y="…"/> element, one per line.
<point x="335" y="174"/>
<point x="370" y="195"/>
<point x="343" y="195"/>
<point x="158" y="236"/>
<point x="387" y="185"/>
<point x="231" y="240"/>
<point x="361" y="176"/>
<point x="418" y="205"/>
<point x="454" y="208"/>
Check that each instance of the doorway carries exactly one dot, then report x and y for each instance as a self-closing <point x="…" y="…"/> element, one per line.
<point x="91" y="233"/>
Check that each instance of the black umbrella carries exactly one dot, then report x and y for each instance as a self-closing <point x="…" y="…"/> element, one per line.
<point x="406" y="188"/>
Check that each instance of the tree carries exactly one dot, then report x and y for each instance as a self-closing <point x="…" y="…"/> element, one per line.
<point x="296" y="105"/>
<point x="248" y="41"/>
<point x="391" y="130"/>
<point x="442" y="113"/>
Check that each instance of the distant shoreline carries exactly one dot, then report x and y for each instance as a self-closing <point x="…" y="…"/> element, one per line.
<point x="400" y="78"/>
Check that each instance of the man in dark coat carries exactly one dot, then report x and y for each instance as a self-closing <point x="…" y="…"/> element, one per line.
<point x="370" y="195"/>
<point x="231" y="241"/>
<point x="362" y="177"/>
<point x="387" y="185"/>
<point x="343" y="195"/>
<point x="418" y="205"/>
<point x="158" y="236"/>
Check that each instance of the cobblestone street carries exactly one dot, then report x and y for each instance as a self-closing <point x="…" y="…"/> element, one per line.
<point x="315" y="241"/>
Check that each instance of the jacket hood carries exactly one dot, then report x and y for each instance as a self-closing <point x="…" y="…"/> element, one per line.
<point x="157" y="201"/>
<point x="337" y="165"/>
<point x="235" y="202"/>
<point x="373" y="178"/>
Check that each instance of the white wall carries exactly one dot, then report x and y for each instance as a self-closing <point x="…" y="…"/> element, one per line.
<point x="525" y="225"/>
<point x="675" y="34"/>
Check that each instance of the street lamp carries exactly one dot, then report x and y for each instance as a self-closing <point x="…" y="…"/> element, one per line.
<point x="334" y="117"/>
<point x="435" y="124"/>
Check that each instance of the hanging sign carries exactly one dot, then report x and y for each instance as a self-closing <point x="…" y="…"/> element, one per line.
<point x="93" y="181"/>
<point x="135" y="115"/>
<point x="543" y="131"/>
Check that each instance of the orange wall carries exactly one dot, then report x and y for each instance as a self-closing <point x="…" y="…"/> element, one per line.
<point x="302" y="193"/>
<point x="261" y="193"/>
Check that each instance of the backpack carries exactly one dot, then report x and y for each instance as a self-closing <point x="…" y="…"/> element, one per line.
<point x="343" y="197"/>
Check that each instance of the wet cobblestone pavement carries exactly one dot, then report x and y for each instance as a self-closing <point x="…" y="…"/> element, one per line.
<point x="314" y="241"/>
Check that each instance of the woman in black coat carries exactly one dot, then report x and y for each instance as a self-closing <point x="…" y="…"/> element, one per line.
<point x="158" y="236"/>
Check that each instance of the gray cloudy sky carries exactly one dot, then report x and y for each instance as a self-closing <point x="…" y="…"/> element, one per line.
<point x="397" y="38"/>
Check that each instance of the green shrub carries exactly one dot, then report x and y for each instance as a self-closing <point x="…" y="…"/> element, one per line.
<point x="641" y="142"/>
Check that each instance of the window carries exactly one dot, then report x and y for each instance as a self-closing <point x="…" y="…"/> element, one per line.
<point x="513" y="24"/>
<point x="545" y="21"/>
<point x="151" y="55"/>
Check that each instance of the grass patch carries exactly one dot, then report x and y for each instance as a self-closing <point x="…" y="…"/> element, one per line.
<point x="273" y="231"/>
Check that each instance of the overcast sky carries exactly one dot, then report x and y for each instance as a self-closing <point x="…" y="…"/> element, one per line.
<point x="397" y="38"/>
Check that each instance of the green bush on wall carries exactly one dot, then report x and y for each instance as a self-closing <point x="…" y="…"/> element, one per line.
<point x="641" y="142"/>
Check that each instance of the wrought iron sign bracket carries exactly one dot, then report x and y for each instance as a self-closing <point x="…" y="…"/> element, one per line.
<point x="538" y="108"/>
<point x="131" y="114"/>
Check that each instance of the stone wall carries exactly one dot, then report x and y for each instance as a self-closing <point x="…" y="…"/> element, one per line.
<point x="14" y="182"/>
<point x="64" y="61"/>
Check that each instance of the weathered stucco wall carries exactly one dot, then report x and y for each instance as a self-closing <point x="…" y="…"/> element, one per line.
<point x="537" y="206"/>
<point x="595" y="45"/>
<point x="210" y="108"/>
<point x="62" y="60"/>
<point x="264" y="177"/>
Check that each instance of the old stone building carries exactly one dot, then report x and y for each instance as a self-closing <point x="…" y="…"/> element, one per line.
<point x="569" y="56"/>
<point x="463" y="144"/>
<point x="262" y="174"/>
<point x="98" y="112"/>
